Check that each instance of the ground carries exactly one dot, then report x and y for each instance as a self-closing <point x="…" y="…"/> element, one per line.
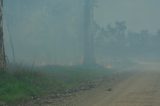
<point x="139" y="89"/>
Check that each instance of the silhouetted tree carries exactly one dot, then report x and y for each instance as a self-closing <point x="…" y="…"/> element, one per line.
<point x="88" y="33"/>
<point x="121" y="32"/>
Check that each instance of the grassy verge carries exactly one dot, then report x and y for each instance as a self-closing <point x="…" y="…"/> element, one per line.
<point x="22" y="84"/>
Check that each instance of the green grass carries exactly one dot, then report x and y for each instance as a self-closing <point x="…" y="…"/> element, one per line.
<point x="14" y="88"/>
<point x="21" y="84"/>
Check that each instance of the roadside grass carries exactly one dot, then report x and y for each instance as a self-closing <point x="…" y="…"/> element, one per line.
<point x="22" y="84"/>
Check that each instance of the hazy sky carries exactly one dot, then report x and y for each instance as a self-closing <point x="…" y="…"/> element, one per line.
<point x="37" y="24"/>
<point x="139" y="14"/>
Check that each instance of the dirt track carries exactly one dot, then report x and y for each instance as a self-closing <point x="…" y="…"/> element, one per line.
<point x="140" y="89"/>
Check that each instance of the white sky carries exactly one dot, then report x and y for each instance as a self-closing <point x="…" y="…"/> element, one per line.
<point x="139" y="14"/>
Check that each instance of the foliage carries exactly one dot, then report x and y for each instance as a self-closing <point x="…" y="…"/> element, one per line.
<point x="22" y="84"/>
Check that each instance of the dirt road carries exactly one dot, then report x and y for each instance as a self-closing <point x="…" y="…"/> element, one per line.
<point x="140" y="89"/>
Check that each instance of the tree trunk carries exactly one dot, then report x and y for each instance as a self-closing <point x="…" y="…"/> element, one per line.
<point x="88" y="59"/>
<point x="2" y="51"/>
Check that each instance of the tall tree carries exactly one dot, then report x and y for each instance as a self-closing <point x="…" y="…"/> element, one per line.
<point x="88" y="59"/>
<point x="2" y="51"/>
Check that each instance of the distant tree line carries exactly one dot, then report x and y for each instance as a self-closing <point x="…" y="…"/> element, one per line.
<point x="118" y="39"/>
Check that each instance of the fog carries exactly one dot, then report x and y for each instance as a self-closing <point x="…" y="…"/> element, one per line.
<point x="121" y="33"/>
